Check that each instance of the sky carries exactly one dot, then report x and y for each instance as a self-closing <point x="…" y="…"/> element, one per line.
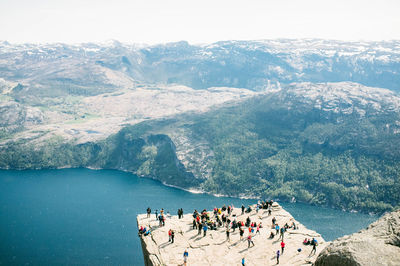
<point x="205" y="21"/>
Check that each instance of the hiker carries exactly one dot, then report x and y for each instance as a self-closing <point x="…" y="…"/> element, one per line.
<point x="242" y="209"/>
<point x="243" y="262"/>
<point x="282" y="233"/>
<point x="172" y="236"/>
<point x="249" y="240"/>
<point x="200" y="226"/>
<point x="185" y="256"/>
<point x="314" y="244"/>
<point x="282" y="246"/>
<point x="277" y="229"/>
<point x="156" y="214"/>
<point x="241" y="232"/>
<point x="248" y="221"/>
<point x="205" y="228"/>
<point x="269" y="212"/>
<point x="227" y="233"/>
<point x="148" y="212"/>
<point x="273" y="220"/>
<point x="169" y="235"/>
<point x="194" y="224"/>
<point x="258" y="229"/>
<point x="277" y="257"/>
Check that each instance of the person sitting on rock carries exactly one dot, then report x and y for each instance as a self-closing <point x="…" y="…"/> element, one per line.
<point x="272" y="235"/>
<point x="147" y="232"/>
<point x="294" y="226"/>
<point x="305" y="242"/>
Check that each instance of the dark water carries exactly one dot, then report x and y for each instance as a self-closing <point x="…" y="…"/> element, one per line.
<point x="80" y="216"/>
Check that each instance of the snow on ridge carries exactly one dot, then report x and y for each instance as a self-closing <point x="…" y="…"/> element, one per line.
<point x="346" y="95"/>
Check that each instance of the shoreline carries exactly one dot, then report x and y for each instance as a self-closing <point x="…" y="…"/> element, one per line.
<point x="194" y="191"/>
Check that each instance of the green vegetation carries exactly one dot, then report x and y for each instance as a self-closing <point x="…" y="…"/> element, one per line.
<point x="260" y="148"/>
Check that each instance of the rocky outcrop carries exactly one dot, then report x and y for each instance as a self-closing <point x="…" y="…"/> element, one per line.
<point x="216" y="249"/>
<point x="378" y="244"/>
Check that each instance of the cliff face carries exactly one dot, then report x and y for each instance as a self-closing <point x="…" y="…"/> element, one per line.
<point x="216" y="249"/>
<point x="378" y="244"/>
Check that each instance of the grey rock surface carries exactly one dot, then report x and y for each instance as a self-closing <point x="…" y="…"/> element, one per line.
<point x="378" y="244"/>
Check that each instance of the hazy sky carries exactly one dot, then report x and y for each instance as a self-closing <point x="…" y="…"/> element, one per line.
<point x="154" y="21"/>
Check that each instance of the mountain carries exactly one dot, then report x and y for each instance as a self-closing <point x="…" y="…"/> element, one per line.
<point x="53" y="70"/>
<point x="332" y="144"/>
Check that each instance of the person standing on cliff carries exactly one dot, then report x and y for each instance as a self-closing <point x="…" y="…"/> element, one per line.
<point x="282" y="246"/>
<point x="241" y="232"/>
<point x="169" y="235"/>
<point x="185" y="256"/>
<point x="156" y="214"/>
<point x="314" y="246"/>
<point x="205" y="228"/>
<point x="148" y="212"/>
<point x="277" y="256"/>
<point x="172" y="236"/>
<point x="243" y="262"/>
<point x="250" y="241"/>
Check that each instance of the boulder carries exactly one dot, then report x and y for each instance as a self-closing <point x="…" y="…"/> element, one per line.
<point x="378" y="244"/>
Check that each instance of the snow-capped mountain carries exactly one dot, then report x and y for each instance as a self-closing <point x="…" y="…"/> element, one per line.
<point x="90" y="69"/>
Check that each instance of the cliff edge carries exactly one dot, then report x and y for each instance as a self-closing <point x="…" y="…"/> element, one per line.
<point x="378" y="244"/>
<point x="216" y="249"/>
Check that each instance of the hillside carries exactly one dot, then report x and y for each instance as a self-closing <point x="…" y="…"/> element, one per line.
<point x="332" y="144"/>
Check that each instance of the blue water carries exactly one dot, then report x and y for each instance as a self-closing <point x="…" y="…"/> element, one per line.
<point x="87" y="217"/>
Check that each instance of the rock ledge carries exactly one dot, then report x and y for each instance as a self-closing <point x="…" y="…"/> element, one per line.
<point x="215" y="249"/>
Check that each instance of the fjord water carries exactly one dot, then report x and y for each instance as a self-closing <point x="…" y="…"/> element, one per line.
<point x="87" y="217"/>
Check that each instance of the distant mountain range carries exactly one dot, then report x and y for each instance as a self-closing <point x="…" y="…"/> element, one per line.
<point x="310" y="120"/>
<point x="90" y="69"/>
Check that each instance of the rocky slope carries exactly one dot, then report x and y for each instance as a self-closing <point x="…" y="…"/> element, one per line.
<point x="332" y="144"/>
<point x="215" y="249"/>
<point x="378" y="244"/>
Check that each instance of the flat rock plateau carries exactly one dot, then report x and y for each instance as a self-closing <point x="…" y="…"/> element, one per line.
<point x="215" y="249"/>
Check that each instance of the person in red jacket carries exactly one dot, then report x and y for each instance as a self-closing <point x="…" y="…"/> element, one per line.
<point x="282" y="246"/>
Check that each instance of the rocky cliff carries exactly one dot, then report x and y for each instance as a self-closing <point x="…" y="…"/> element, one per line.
<point x="378" y="244"/>
<point x="216" y="249"/>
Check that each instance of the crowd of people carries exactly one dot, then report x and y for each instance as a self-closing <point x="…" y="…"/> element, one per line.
<point x="224" y="218"/>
